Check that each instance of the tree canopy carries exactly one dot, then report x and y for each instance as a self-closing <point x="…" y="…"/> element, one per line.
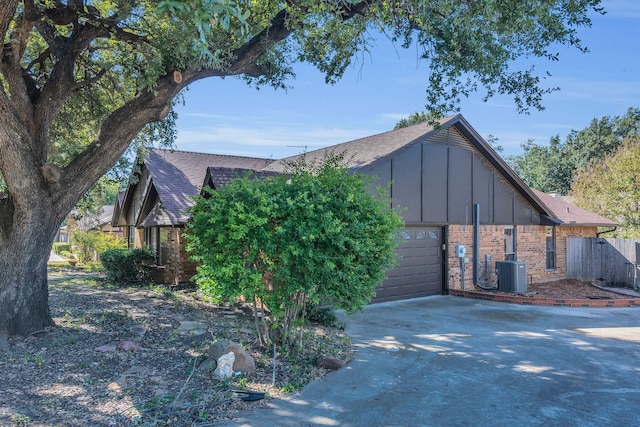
<point x="611" y="187"/>
<point x="550" y="167"/>
<point x="80" y="79"/>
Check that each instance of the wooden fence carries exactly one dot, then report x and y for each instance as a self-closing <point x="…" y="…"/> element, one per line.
<point x="611" y="261"/>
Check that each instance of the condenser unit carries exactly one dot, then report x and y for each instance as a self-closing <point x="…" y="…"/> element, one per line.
<point x="512" y="276"/>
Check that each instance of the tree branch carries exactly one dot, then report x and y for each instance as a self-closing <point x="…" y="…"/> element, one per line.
<point x="7" y="11"/>
<point x="114" y="137"/>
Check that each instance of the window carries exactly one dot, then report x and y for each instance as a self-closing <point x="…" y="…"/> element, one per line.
<point x="157" y="239"/>
<point x="550" y="238"/>
<point x="163" y="246"/>
<point x="151" y="239"/>
<point x="131" y="236"/>
<point x="509" y="243"/>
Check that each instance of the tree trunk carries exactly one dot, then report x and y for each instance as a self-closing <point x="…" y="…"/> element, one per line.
<point x="24" y="306"/>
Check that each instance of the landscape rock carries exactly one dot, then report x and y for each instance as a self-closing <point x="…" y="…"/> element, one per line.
<point x="119" y="384"/>
<point x="244" y="362"/>
<point x="208" y="365"/>
<point x="129" y="345"/>
<point x="225" y="366"/>
<point x="330" y="363"/>
<point x="188" y="327"/>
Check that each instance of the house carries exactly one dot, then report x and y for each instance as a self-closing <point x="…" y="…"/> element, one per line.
<point x="154" y="208"/>
<point x="96" y="221"/>
<point x="100" y="220"/>
<point x="463" y="207"/>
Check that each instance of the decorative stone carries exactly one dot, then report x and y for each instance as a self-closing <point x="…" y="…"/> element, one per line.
<point x="208" y="365"/>
<point x="189" y="327"/>
<point x="243" y="360"/>
<point x="225" y="366"/>
<point x="330" y="363"/>
<point x="129" y="346"/>
<point x="119" y="384"/>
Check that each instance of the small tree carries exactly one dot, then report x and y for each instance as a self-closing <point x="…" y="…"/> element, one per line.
<point x="87" y="245"/>
<point x="316" y="233"/>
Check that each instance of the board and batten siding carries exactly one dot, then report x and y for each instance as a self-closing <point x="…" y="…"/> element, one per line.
<point x="439" y="179"/>
<point x="611" y="261"/>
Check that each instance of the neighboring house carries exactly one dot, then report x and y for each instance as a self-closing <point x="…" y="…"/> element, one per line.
<point x="99" y="221"/>
<point x="440" y="179"/>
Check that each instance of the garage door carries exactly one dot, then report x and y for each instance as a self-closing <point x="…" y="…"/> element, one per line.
<point x="419" y="270"/>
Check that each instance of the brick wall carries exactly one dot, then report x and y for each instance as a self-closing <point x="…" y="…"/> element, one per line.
<point x="531" y="248"/>
<point x="178" y="268"/>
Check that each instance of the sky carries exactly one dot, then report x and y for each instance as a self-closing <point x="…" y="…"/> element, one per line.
<point x="226" y="116"/>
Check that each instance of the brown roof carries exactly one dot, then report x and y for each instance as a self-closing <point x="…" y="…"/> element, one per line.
<point x="364" y="151"/>
<point x="218" y="176"/>
<point x="570" y="214"/>
<point x="157" y="217"/>
<point x="178" y="176"/>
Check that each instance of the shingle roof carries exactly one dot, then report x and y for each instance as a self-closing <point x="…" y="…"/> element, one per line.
<point x="569" y="214"/>
<point x="178" y="176"/>
<point x="219" y="176"/>
<point x="364" y="151"/>
<point x="157" y="217"/>
<point x="99" y="219"/>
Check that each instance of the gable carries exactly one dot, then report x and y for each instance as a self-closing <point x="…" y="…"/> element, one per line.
<point x="438" y="180"/>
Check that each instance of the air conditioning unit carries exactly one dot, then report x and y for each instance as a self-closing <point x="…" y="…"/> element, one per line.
<point x="512" y="276"/>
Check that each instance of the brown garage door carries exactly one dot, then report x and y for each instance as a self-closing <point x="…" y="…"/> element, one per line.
<point x="419" y="270"/>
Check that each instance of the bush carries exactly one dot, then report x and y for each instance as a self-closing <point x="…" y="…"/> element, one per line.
<point x="59" y="247"/>
<point x="89" y="244"/>
<point x="127" y="266"/>
<point x="315" y="234"/>
<point x="66" y="254"/>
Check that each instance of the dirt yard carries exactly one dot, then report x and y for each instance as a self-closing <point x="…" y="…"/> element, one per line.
<point x="74" y="374"/>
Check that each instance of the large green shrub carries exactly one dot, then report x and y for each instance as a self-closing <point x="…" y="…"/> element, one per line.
<point x="316" y="233"/>
<point x="127" y="266"/>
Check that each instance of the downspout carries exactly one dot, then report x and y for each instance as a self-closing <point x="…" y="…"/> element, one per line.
<point x="476" y="254"/>
<point x="476" y="242"/>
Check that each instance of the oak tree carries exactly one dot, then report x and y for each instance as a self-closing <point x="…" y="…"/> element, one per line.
<point x="79" y="79"/>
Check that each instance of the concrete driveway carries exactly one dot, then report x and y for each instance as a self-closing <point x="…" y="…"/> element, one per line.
<point x="449" y="361"/>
